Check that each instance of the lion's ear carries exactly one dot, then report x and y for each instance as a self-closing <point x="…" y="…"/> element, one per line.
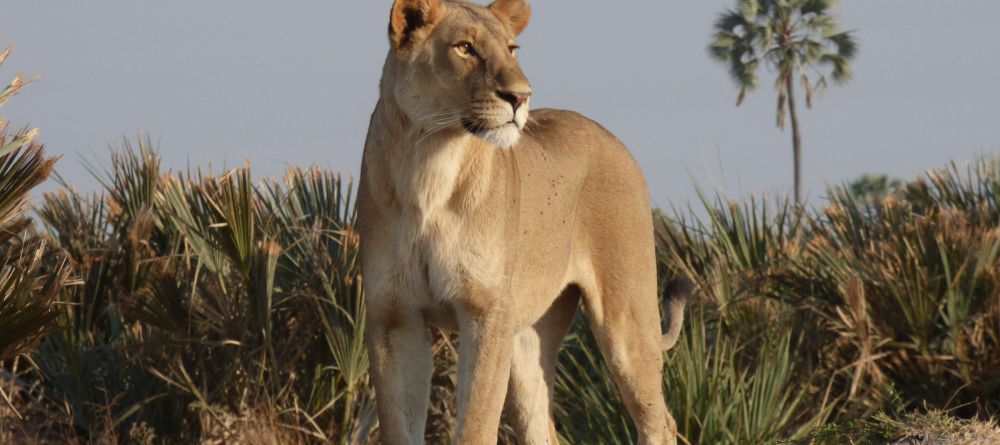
<point x="516" y="12"/>
<point x="410" y="19"/>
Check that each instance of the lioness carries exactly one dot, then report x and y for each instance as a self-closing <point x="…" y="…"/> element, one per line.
<point x="477" y="219"/>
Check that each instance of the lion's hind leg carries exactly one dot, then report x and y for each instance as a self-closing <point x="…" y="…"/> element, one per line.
<point x="624" y="315"/>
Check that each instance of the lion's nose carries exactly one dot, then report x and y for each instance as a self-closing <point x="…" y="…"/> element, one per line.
<point x="514" y="98"/>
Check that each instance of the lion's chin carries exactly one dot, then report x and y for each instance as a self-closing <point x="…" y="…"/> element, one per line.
<point x="504" y="136"/>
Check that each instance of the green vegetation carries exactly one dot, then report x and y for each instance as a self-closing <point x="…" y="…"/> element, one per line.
<point x="32" y="272"/>
<point x="210" y="308"/>
<point x="27" y="286"/>
<point x="798" y="39"/>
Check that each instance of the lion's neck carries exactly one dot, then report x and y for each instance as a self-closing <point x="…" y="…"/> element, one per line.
<point x="428" y="171"/>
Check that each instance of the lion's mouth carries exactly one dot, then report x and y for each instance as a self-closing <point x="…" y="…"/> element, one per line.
<point x="504" y="135"/>
<point x="472" y="126"/>
<point x="477" y="127"/>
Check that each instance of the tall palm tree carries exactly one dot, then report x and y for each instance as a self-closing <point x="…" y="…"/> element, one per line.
<point x="799" y="39"/>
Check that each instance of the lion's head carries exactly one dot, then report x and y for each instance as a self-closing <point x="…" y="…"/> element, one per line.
<point x="453" y="64"/>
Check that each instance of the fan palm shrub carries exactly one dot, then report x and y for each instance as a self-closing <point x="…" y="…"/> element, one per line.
<point x="916" y="287"/>
<point x="212" y="308"/>
<point x="31" y="273"/>
<point x="720" y="390"/>
<point x="97" y="361"/>
<point x="216" y="309"/>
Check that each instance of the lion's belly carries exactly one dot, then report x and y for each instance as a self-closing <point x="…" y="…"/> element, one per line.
<point x="543" y="265"/>
<point x="551" y="181"/>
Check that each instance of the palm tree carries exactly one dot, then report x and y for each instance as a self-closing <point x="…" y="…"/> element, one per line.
<point x="799" y="39"/>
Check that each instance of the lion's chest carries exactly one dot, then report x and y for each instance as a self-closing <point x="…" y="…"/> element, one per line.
<point x="442" y="245"/>
<point x="437" y="236"/>
<point x="441" y="255"/>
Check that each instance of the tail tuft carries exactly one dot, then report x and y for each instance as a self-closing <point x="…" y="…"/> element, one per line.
<point x="675" y="297"/>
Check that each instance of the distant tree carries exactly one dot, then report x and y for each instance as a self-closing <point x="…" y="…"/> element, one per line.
<point x="871" y="187"/>
<point x="799" y="39"/>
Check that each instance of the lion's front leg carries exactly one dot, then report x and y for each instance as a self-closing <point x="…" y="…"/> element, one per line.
<point x="401" y="365"/>
<point x="484" y="354"/>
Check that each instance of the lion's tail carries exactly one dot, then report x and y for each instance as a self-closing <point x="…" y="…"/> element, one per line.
<point x="675" y="297"/>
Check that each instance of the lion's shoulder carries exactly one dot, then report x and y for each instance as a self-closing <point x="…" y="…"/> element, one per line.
<point x="554" y="129"/>
<point x="577" y="142"/>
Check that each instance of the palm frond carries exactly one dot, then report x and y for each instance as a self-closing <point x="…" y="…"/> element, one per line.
<point x="30" y="279"/>
<point x="847" y="46"/>
<point x="31" y="273"/>
<point x="841" y="69"/>
<point x="817" y="7"/>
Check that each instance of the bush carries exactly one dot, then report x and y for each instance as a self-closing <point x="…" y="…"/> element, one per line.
<point x="211" y="308"/>
<point x="31" y="271"/>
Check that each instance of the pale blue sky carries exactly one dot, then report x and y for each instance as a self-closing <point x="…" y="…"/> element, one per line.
<point x="294" y="82"/>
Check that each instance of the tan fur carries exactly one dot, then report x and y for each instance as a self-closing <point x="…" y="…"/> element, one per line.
<point x="474" y="219"/>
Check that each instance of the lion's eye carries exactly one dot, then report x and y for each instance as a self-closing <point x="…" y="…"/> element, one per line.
<point x="465" y="48"/>
<point x="513" y="49"/>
